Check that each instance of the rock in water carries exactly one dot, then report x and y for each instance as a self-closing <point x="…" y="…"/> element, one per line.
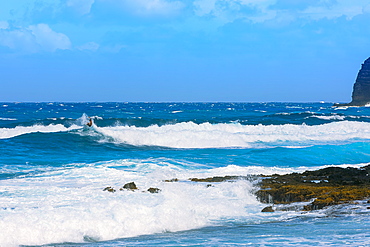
<point x="130" y="186"/>
<point x="268" y="209"/>
<point x="361" y="89"/>
<point x="153" y="190"/>
<point x="110" y="189"/>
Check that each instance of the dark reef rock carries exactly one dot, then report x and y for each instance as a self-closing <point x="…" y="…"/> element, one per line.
<point x="130" y="186"/>
<point x="109" y="189"/>
<point x="361" y="89"/>
<point x="223" y="179"/>
<point x="215" y="179"/>
<point x="153" y="190"/>
<point x="328" y="186"/>
<point x="171" y="180"/>
<point x="268" y="209"/>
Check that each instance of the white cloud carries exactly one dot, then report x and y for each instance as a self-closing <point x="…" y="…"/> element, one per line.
<point x="258" y="3"/>
<point x="4" y="25"/>
<point x="90" y="46"/>
<point x="367" y="8"/>
<point x="149" y="7"/>
<point x="336" y="9"/>
<point x="81" y="6"/>
<point x="230" y="10"/>
<point x="279" y="11"/>
<point x="114" y="48"/>
<point x="48" y="39"/>
<point x="18" y="39"/>
<point x="204" y="7"/>
<point x="35" y="38"/>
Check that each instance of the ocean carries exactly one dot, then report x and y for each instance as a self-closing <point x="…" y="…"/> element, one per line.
<point x="54" y="170"/>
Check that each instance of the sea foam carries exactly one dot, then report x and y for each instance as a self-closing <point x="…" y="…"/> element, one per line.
<point x="71" y="206"/>
<point x="235" y="135"/>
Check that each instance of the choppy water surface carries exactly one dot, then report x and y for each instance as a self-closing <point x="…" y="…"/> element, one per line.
<point x="53" y="169"/>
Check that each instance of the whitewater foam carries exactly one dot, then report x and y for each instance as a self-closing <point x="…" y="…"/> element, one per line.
<point x="7" y="119"/>
<point x="333" y="117"/>
<point x="235" y="135"/>
<point x="71" y="206"/>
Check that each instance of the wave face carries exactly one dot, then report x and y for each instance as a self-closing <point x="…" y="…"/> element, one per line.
<point x="54" y="168"/>
<point x="22" y="130"/>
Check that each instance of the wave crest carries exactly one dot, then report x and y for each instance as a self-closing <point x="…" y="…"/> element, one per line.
<point x="6" y="133"/>
<point x="206" y="135"/>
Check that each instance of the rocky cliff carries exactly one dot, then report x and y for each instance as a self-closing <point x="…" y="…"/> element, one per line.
<point x="361" y="89"/>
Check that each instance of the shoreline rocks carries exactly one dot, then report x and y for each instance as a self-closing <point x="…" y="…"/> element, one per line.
<point x="319" y="188"/>
<point x="315" y="189"/>
<point x="131" y="187"/>
<point x="222" y="179"/>
<point x="326" y="187"/>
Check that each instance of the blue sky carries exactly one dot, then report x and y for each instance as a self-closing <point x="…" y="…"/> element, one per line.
<point x="177" y="50"/>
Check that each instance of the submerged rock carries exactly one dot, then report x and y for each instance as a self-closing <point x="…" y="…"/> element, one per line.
<point x="361" y="88"/>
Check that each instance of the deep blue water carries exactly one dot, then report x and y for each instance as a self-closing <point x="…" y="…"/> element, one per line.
<point x="53" y="169"/>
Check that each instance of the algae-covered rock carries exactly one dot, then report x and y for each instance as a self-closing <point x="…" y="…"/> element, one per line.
<point x="328" y="186"/>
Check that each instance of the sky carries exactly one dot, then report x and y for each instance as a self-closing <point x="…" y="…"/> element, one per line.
<point x="182" y="50"/>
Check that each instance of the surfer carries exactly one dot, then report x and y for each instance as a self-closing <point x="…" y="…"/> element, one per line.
<point x="90" y="123"/>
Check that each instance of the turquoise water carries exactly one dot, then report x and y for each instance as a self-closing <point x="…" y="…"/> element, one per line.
<point x="53" y="169"/>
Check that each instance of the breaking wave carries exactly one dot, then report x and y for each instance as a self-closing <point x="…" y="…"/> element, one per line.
<point x="206" y="135"/>
<point x="6" y="133"/>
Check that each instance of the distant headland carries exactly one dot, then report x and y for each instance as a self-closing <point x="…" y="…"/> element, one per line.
<point x="361" y="89"/>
